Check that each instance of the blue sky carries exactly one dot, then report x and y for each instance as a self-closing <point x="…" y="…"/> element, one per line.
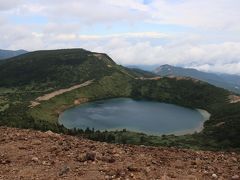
<point x="200" y="34"/>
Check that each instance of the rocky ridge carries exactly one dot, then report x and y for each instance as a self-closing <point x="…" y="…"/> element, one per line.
<point x="28" y="154"/>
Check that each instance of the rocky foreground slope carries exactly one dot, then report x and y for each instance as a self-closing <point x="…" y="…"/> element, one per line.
<point x="28" y="154"/>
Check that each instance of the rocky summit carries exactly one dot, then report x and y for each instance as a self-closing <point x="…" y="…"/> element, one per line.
<point x="28" y="154"/>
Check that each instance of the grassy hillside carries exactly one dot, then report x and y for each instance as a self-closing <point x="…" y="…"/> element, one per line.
<point x="29" y="76"/>
<point x="26" y="77"/>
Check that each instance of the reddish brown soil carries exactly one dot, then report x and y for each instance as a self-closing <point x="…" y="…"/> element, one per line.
<point x="28" y="154"/>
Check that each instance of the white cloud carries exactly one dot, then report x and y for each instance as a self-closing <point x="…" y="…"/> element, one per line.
<point x="94" y="11"/>
<point x="219" y="14"/>
<point x="232" y="68"/>
<point x="9" y="4"/>
<point x="130" y="4"/>
<point x="154" y="35"/>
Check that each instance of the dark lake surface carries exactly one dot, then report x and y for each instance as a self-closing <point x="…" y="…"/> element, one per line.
<point x="136" y="115"/>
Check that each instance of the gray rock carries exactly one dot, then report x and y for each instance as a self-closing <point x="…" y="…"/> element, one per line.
<point x="64" y="170"/>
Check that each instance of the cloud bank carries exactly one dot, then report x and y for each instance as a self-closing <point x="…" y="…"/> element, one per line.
<point x="200" y="34"/>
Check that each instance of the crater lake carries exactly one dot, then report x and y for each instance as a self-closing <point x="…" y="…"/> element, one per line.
<point x="149" y="117"/>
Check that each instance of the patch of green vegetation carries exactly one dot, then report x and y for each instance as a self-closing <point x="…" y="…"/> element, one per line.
<point x="4" y="107"/>
<point x="6" y="90"/>
<point x="193" y="141"/>
<point x="117" y="85"/>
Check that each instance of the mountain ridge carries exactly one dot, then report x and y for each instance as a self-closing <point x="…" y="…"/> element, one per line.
<point x="227" y="81"/>
<point x="5" y="54"/>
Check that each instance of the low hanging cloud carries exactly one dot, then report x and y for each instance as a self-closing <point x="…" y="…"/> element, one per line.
<point x="222" y="57"/>
<point x="229" y="68"/>
<point x="135" y="49"/>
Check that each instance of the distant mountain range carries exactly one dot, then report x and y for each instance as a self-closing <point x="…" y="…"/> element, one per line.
<point x="227" y="81"/>
<point x="141" y="72"/>
<point x="5" y="54"/>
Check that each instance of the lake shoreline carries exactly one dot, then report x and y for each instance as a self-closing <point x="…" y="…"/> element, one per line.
<point x="206" y="116"/>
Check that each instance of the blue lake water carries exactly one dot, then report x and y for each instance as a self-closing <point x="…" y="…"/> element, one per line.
<point x="136" y="115"/>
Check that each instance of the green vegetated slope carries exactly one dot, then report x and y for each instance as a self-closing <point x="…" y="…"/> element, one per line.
<point x="26" y="77"/>
<point x="55" y="69"/>
<point x="29" y="76"/>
